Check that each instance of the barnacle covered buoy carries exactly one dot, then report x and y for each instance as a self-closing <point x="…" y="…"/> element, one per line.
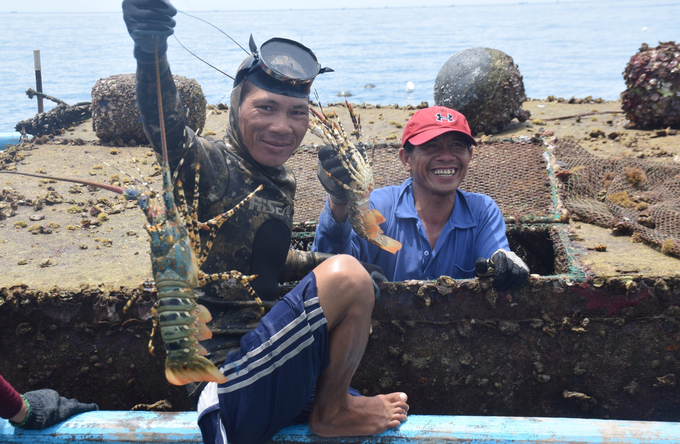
<point x="115" y="116"/>
<point x="652" y="96"/>
<point x="485" y="86"/>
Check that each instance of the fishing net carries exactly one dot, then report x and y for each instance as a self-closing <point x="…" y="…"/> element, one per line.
<point x="512" y="172"/>
<point x="531" y="181"/>
<point x="630" y="196"/>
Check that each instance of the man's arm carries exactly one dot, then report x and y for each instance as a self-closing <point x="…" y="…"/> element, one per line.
<point x="495" y="258"/>
<point x="150" y="23"/>
<point x="332" y="236"/>
<point x="147" y="101"/>
<point x="37" y="409"/>
<point x="338" y="210"/>
<point x="491" y="234"/>
<point x="299" y="263"/>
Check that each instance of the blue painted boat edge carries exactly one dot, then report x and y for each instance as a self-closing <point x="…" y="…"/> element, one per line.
<point x="180" y="427"/>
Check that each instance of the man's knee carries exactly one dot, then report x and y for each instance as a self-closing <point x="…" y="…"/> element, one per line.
<point x="343" y="276"/>
<point x="348" y="270"/>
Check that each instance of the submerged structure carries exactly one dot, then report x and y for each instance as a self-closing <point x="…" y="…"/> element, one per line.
<point x="573" y="342"/>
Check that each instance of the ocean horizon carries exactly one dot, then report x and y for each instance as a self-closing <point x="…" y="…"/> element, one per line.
<point x="575" y="49"/>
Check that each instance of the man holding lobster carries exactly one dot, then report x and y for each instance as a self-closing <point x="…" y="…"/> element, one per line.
<point x="295" y="363"/>
<point x="443" y="230"/>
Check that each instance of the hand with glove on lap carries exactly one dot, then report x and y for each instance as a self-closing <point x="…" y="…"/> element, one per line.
<point x="144" y="20"/>
<point x="378" y="276"/>
<point x="329" y="163"/>
<point x="508" y="270"/>
<point x="46" y="408"/>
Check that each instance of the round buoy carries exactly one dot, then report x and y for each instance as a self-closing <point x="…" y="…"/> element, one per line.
<point x="410" y="87"/>
<point x="344" y="94"/>
<point x="485" y="86"/>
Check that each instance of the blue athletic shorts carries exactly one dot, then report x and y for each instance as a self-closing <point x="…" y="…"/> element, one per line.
<point x="272" y="376"/>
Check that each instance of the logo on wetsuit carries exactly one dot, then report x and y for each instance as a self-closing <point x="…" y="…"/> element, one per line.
<point x="448" y="117"/>
<point x="269" y="206"/>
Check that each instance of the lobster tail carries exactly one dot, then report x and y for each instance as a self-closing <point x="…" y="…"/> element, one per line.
<point x="202" y="314"/>
<point x="202" y="331"/>
<point x="386" y="243"/>
<point x="367" y="223"/>
<point x="199" y="369"/>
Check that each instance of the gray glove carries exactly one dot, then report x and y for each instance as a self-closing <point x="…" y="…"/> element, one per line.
<point x="508" y="270"/>
<point x="330" y="163"/>
<point x="144" y="20"/>
<point x="46" y="408"/>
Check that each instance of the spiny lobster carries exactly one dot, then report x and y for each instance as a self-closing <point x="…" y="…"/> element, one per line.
<point x="176" y="258"/>
<point x="364" y="221"/>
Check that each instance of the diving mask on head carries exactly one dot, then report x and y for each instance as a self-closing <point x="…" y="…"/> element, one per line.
<point x="281" y="66"/>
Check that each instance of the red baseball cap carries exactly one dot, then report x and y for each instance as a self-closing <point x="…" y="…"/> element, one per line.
<point x="428" y="123"/>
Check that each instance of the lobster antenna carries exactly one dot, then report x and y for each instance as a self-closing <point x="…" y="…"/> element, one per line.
<point x="318" y="100"/>
<point x="141" y="176"/>
<point x="210" y="65"/>
<point x="161" y="120"/>
<point x="104" y="186"/>
<point x="118" y="169"/>
<point x="205" y="21"/>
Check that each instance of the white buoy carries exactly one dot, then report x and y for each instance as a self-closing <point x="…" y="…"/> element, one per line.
<point x="644" y="29"/>
<point x="410" y="87"/>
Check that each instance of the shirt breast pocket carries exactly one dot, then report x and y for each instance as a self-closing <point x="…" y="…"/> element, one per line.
<point x="462" y="272"/>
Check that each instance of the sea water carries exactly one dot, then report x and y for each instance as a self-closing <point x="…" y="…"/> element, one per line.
<point x="563" y="49"/>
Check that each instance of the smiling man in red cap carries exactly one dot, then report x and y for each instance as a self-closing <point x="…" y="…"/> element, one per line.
<point x="443" y="230"/>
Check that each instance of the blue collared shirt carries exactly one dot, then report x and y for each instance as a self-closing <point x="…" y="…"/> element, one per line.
<point x="475" y="229"/>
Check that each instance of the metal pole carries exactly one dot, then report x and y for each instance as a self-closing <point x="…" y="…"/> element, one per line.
<point x="38" y="78"/>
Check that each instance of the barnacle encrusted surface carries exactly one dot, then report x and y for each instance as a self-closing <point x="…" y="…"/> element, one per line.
<point x="652" y="96"/>
<point x="115" y="116"/>
<point x="484" y="85"/>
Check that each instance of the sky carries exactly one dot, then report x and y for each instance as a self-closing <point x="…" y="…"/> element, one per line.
<point x="230" y="5"/>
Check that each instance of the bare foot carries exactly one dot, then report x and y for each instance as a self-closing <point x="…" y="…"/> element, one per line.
<point x="360" y="416"/>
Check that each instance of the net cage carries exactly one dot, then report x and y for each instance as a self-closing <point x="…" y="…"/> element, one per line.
<point x="631" y="196"/>
<point x="512" y="171"/>
<point x="538" y="183"/>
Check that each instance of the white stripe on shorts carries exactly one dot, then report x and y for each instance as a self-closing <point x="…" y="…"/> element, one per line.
<point x="256" y="367"/>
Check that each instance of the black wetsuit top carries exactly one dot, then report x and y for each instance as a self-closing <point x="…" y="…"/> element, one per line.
<point x="256" y="239"/>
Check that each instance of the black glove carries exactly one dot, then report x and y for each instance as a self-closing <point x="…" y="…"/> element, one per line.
<point x="146" y="19"/>
<point x="508" y="270"/>
<point x="377" y="277"/>
<point x="377" y="274"/>
<point x="330" y="163"/>
<point x="46" y="408"/>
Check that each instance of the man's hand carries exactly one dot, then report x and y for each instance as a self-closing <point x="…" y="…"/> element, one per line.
<point x="508" y="270"/>
<point x="377" y="277"/>
<point x="330" y="163"/>
<point x="46" y="408"/>
<point x="146" y="19"/>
